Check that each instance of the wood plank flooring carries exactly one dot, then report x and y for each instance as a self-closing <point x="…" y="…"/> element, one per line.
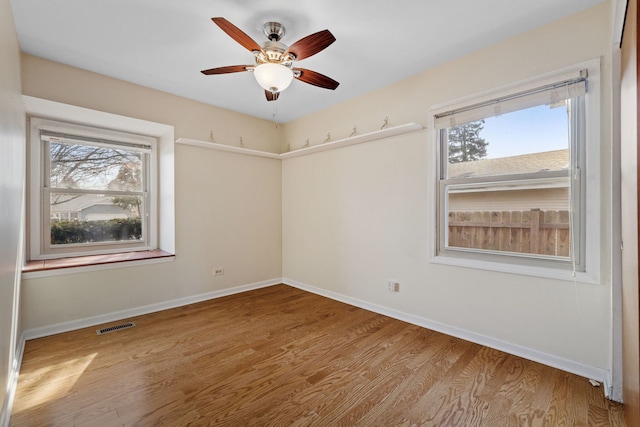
<point x="280" y="356"/>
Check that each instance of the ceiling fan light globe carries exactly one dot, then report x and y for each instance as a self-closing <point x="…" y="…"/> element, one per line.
<point x="273" y="77"/>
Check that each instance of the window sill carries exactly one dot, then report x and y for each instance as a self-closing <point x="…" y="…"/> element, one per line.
<point x="519" y="269"/>
<point x="53" y="267"/>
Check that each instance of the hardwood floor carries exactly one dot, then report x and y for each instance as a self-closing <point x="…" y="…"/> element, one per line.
<point x="280" y="356"/>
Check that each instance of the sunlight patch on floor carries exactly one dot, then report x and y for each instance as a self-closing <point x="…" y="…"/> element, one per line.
<point x="51" y="382"/>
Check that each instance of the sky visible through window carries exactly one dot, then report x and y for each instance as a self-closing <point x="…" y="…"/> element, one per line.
<point x="533" y="130"/>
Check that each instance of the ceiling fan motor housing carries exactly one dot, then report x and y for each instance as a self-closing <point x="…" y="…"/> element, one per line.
<point x="272" y="52"/>
<point x="274" y="31"/>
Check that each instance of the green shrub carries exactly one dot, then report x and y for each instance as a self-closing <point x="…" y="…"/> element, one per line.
<point x="66" y="232"/>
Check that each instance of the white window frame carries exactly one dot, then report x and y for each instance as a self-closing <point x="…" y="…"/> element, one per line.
<point x="588" y="267"/>
<point x="39" y="221"/>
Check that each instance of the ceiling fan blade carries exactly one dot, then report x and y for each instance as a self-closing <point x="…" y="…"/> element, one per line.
<point x="312" y="44"/>
<point x="237" y="34"/>
<point x="315" y="78"/>
<point x="271" y="96"/>
<point x="227" y="70"/>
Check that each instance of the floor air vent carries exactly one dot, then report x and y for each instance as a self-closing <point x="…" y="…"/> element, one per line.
<point x="115" y="328"/>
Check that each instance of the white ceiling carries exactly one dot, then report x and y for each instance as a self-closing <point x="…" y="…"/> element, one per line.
<point x="163" y="44"/>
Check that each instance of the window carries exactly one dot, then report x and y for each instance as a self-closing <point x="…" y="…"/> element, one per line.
<point x="512" y="175"/>
<point x="93" y="191"/>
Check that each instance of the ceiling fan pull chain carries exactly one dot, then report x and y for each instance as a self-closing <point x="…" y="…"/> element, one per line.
<point x="275" y="114"/>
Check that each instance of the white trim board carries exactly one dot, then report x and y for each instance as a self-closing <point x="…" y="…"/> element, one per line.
<point x="139" y="311"/>
<point x="332" y="145"/>
<point x="586" y="371"/>
<point x="7" y="405"/>
<point x="228" y="148"/>
<point x="356" y="139"/>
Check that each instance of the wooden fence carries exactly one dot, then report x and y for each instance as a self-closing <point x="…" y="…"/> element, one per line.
<point x="534" y="231"/>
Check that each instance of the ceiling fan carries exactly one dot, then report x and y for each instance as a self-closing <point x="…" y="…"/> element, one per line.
<point x="274" y="69"/>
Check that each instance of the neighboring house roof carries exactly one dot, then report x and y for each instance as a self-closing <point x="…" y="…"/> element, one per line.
<point x="82" y="203"/>
<point x="79" y="203"/>
<point x="525" y="163"/>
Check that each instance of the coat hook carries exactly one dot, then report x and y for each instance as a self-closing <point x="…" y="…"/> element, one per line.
<point x="328" y="138"/>
<point x="288" y="147"/>
<point x="385" y="124"/>
<point x="355" y="130"/>
<point x="306" y="144"/>
<point x="211" y="136"/>
<point x="241" y="142"/>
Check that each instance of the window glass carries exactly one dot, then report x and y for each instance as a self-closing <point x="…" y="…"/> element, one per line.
<point x="95" y="192"/>
<point x="81" y="166"/>
<point x="94" y="218"/>
<point x="525" y="141"/>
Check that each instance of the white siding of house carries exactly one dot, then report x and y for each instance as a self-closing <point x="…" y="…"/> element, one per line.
<point x="547" y="199"/>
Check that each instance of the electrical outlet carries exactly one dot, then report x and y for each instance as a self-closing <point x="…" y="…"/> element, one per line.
<point x="218" y="271"/>
<point x="393" y="286"/>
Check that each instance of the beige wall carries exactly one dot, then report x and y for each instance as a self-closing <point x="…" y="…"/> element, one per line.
<point x="227" y="206"/>
<point x="12" y="146"/>
<point x="357" y="217"/>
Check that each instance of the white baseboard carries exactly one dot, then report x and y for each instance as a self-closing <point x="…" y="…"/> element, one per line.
<point x="586" y="371"/>
<point x="138" y="311"/>
<point x="7" y="405"/>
